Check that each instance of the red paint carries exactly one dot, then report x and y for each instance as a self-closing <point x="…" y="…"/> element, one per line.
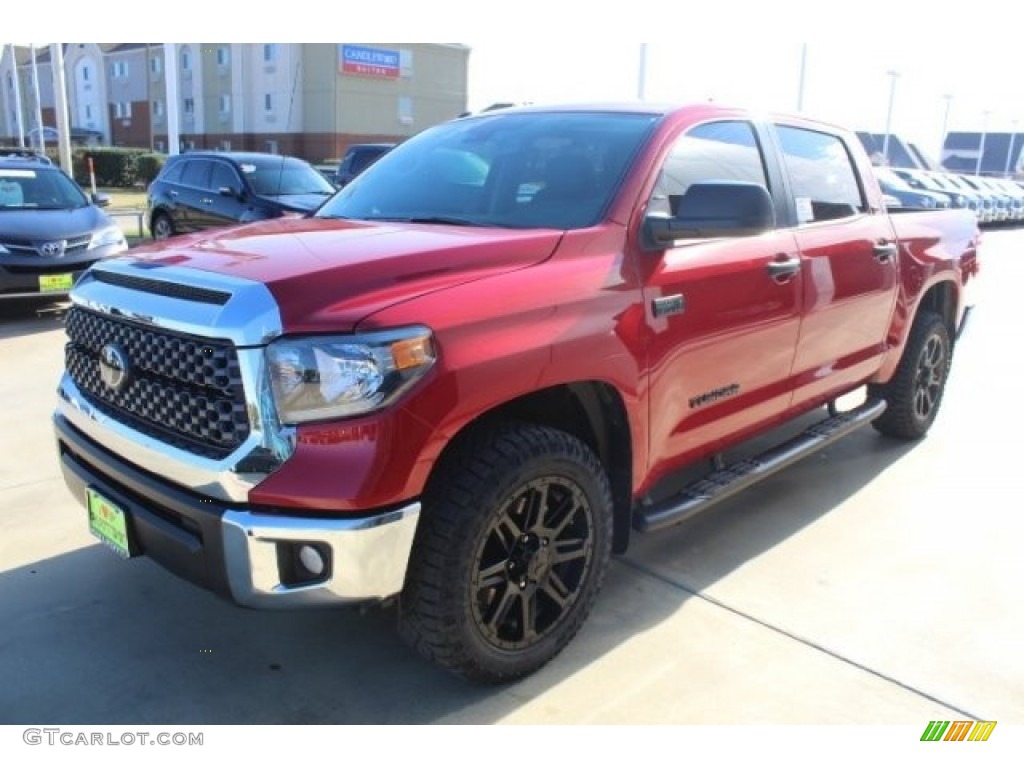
<point x="517" y="311"/>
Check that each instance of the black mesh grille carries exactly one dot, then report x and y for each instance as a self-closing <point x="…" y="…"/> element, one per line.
<point x="184" y="390"/>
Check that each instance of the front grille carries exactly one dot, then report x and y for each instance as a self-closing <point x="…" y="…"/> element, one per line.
<point x="20" y="247"/>
<point x="184" y="390"/>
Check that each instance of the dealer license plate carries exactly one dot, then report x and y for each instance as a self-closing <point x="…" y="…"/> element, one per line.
<point x="108" y="523"/>
<point x="56" y="283"/>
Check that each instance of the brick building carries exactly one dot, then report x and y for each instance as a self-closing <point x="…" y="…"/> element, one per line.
<point x="305" y="99"/>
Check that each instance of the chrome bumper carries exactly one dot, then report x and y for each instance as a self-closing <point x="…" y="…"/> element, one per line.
<point x="251" y="559"/>
<point x="367" y="558"/>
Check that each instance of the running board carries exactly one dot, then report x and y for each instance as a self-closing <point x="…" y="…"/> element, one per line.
<point x="734" y="478"/>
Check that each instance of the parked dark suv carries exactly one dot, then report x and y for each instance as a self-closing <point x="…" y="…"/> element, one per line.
<point x="202" y="190"/>
<point x="50" y="231"/>
<point x="357" y="159"/>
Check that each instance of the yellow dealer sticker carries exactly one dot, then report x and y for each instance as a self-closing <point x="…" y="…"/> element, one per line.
<point x="107" y="522"/>
<point x="56" y="283"/>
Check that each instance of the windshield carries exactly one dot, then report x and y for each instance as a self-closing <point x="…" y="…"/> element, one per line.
<point x="553" y="170"/>
<point x="39" y="188"/>
<point x="285" y="176"/>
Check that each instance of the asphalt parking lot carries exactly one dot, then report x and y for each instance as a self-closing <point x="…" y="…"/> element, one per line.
<point x="876" y="582"/>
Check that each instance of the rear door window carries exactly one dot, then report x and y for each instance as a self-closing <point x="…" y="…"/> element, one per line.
<point x="825" y="184"/>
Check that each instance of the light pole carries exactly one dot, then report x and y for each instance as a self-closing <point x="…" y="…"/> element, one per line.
<point x="60" y="106"/>
<point x="945" y="128"/>
<point x="1009" y="149"/>
<point x="16" y="83"/>
<point x="641" y="74"/>
<point x="39" y="98"/>
<point x="803" y="78"/>
<point x="981" y="149"/>
<point x="888" y="118"/>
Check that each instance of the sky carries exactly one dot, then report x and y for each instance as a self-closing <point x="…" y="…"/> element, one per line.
<point x="840" y="85"/>
<point x="738" y="52"/>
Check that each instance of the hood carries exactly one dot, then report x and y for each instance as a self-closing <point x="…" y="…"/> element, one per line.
<point x="327" y="275"/>
<point x="36" y="224"/>
<point x="301" y="203"/>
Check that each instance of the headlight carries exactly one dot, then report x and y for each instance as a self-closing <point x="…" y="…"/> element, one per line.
<point x="3" y="250"/>
<point x="108" y="236"/>
<point x="335" y="377"/>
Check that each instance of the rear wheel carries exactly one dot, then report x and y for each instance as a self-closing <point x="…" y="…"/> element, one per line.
<point x="915" y="391"/>
<point x="512" y="550"/>
<point x="162" y="227"/>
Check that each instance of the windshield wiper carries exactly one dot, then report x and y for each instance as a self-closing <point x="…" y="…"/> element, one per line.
<point x="454" y="220"/>
<point x="444" y="220"/>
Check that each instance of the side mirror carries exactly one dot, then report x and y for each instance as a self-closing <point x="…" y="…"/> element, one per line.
<point x="100" y="199"/>
<point x="712" y="209"/>
<point x="228" y="192"/>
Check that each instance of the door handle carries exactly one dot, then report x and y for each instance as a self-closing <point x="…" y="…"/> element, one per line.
<point x="172" y="193"/>
<point x="885" y="252"/>
<point x="784" y="267"/>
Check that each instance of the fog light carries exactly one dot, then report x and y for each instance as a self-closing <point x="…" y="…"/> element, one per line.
<point x="311" y="560"/>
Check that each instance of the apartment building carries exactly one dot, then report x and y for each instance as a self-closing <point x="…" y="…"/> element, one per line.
<point x="305" y="99"/>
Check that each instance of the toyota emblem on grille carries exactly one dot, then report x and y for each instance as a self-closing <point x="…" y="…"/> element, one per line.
<point x="114" y="366"/>
<point x="56" y="248"/>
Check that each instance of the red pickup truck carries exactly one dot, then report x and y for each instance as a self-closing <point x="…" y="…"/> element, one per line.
<point x="471" y="376"/>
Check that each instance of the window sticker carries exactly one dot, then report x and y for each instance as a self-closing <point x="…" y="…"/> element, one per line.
<point x="16" y="173"/>
<point x="804" y="210"/>
<point x="248" y="168"/>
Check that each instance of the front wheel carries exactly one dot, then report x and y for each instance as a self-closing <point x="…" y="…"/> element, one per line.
<point x="512" y="549"/>
<point x="915" y="391"/>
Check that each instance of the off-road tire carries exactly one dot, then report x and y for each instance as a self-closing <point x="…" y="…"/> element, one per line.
<point x="511" y="551"/>
<point x="915" y="391"/>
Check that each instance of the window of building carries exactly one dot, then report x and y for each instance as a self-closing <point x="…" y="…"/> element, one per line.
<point x="190" y="105"/>
<point x="158" y="108"/>
<point x="269" y="53"/>
<point x="225" y="102"/>
<point x="186" y="60"/>
<point x="88" y="112"/>
<point x="119" y="69"/>
<point x="405" y="110"/>
<point x="268" y="102"/>
<point x="405" y="63"/>
<point x="85" y="75"/>
<point x="159" y="146"/>
<point x="156" y="65"/>
<point x="225" y="146"/>
<point x="123" y="110"/>
<point x="223" y="56"/>
<point x="271" y="146"/>
<point x="825" y="185"/>
<point x="722" y="151"/>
